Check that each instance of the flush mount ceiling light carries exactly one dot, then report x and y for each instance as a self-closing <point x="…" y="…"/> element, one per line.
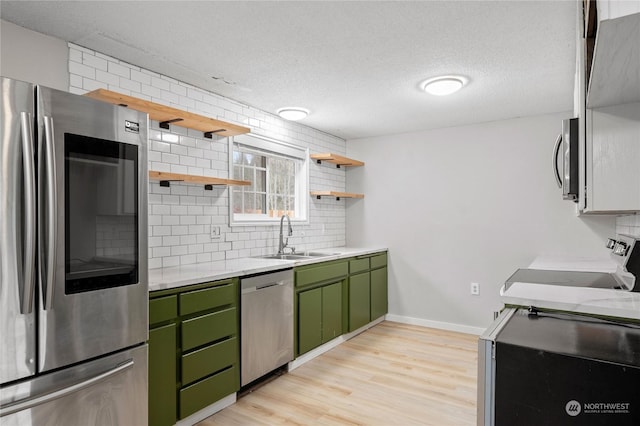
<point x="443" y="85"/>
<point x="293" y="114"/>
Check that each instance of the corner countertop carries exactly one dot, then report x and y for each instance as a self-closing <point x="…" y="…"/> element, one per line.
<point x="179" y="276"/>
<point x="595" y="301"/>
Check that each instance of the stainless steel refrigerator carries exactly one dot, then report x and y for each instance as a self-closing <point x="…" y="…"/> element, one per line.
<point x="73" y="259"/>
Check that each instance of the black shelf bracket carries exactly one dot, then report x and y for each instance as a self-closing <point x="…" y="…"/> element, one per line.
<point x="165" y="124"/>
<point x="167" y="183"/>
<point x="320" y="162"/>
<point x="209" y="135"/>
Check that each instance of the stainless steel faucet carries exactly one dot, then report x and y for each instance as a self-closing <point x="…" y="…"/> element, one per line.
<point x="283" y="242"/>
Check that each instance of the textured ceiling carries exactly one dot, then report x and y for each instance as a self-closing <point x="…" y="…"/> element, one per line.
<point x="355" y="65"/>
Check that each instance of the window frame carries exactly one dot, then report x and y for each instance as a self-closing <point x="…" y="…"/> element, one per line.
<point x="281" y="149"/>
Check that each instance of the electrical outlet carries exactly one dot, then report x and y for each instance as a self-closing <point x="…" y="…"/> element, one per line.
<point x="475" y="289"/>
<point x="215" y="232"/>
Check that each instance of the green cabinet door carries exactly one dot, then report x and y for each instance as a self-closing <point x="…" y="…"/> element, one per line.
<point x="331" y="311"/>
<point x="162" y="376"/>
<point x="309" y="320"/>
<point x="359" y="300"/>
<point x="379" y="298"/>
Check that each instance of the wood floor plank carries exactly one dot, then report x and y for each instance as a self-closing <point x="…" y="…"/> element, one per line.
<point x="391" y="374"/>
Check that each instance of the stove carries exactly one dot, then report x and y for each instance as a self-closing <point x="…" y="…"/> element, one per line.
<point x="612" y="291"/>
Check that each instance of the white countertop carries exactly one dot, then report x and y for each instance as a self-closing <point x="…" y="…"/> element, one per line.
<point x="178" y="276"/>
<point x="595" y="301"/>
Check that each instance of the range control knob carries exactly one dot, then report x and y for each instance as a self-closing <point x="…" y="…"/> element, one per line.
<point x="611" y="243"/>
<point x="620" y="248"/>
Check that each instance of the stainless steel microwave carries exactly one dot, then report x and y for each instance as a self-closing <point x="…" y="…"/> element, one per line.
<point x="565" y="160"/>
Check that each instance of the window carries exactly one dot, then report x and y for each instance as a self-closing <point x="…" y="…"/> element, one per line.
<point x="278" y="174"/>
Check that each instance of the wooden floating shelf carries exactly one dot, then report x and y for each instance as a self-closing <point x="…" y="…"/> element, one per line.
<point x="166" y="178"/>
<point x="338" y="195"/>
<point x="166" y="115"/>
<point x="338" y="160"/>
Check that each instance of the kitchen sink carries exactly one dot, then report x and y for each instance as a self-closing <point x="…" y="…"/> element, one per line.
<point x="283" y="256"/>
<point x="316" y="254"/>
<point x="296" y="256"/>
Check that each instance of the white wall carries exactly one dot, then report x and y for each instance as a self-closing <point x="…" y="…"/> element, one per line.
<point x="461" y="205"/>
<point x="30" y="56"/>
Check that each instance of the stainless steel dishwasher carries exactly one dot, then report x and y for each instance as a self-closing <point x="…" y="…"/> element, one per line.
<point x="266" y="339"/>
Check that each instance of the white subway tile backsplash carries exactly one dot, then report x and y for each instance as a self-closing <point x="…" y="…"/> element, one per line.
<point x="81" y="70"/>
<point x="160" y="83"/>
<point x="128" y="84"/>
<point x="94" y="61"/>
<point x="181" y="216"/>
<point x="628" y="225"/>
<point x="120" y="70"/>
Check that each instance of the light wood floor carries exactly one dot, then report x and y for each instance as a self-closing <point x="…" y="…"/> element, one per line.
<point x="392" y="374"/>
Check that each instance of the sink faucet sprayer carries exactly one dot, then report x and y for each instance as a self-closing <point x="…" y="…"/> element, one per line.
<point x="283" y="242"/>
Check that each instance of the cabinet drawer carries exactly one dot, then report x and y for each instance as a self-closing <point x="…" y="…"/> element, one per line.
<point x="208" y="298"/>
<point x="379" y="261"/>
<point x="163" y="309"/>
<point x="208" y="328"/>
<point x="205" y="361"/>
<point x="322" y="272"/>
<point x="208" y="391"/>
<point x="358" y="265"/>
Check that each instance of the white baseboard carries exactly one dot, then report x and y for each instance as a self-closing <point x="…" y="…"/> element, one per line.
<point x="436" y="324"/>
<point x="208" y="411"/>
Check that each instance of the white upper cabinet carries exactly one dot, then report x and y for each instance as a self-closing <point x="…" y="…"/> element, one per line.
<point x="611" y="9"/>
<point x="615" y="72"/>
<point x="608" y="104"/>
<point x="613" y="159"/>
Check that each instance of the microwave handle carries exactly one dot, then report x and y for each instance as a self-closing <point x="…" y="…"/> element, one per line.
<point x="556" y="151"/>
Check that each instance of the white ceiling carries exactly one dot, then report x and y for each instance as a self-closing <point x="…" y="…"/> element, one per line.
<point x="356" y="65"/>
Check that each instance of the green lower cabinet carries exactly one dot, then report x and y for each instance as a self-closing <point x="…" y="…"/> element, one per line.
<point x="359" y="300"/>
<point x="309" y="320"/>
<point x="379" y="294"/>
<point x="331" y="311"/>
<point x="193" y="349"/>
<point x="162" y="376"/>
<point x="208" y="391"/>
<point x="319" y="316"/>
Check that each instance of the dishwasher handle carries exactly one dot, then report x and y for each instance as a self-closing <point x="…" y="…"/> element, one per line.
<point x="262" y="282"/>
<point x="262" y="287"/>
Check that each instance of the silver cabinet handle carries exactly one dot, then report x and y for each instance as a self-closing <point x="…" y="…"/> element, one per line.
<point x="43" y="399"/>
<point x="29" y="256"/>
<point x="556" y="150"/>
<point x="51" y="205"/>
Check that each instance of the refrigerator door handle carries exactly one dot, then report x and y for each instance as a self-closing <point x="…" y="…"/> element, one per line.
<point x="29" y="255"/>
<point x="51" y="203"/>
<point x="556" y="151"/>
<point x="50" y="396"/>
